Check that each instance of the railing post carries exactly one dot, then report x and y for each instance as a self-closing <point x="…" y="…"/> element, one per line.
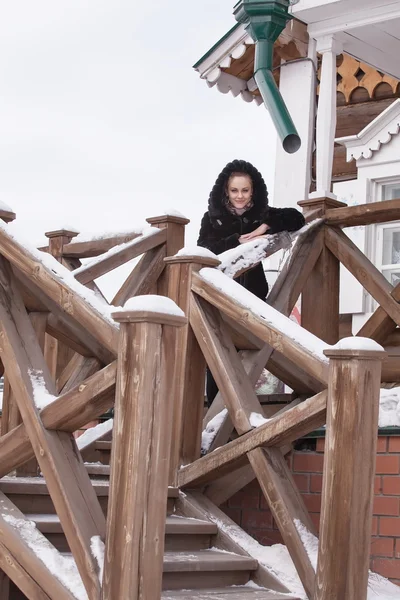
<point x="140" y="455"/>
<point x="349" y="469"/>
<point x="320" y="295"/>
<point x="190" y="366"/>
<point x="175" y="227"/>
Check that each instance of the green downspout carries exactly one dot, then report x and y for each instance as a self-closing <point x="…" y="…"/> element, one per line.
<point x="265" y="20"/>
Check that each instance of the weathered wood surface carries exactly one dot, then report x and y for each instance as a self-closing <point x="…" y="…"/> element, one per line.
<point x="69" y="484"/>
<point x="292" y="375"/>
<point x="349" y="469"/>
<point x="143" y="278"/>
<point x="21" y="562"/>
<point x="140" y="460"/>
<point x="69" y="412"/>
<point x="379" y="326"/>
<point x="364" y="271"/>
<point x="279" y="431"/>
<point x="188" y="375"/>
<point x="96" y="247"/>
<point x="118" y="256"/>
<point x="364" y="214"/>
<point x="268" y="332"/>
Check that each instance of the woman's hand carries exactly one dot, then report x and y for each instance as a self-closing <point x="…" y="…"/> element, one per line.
<point x="259" y="232"/>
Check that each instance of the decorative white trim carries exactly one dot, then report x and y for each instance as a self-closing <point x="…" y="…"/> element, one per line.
<point x="233" y="47"/>
<point x="370" y="139"/>
<point x="226" y="83"/>
<point x="329" y="43"/>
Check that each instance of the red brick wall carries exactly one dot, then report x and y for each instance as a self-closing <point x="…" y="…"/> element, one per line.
<point x="249" y="508"/>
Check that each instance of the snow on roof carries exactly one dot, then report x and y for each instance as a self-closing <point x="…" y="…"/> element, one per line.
<point x="370" y="139"/>
<point x="153" y="303"/>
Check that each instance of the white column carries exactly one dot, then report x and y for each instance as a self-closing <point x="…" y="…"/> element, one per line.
<point x="329" y="47"/>
<point x="293" y="171"/>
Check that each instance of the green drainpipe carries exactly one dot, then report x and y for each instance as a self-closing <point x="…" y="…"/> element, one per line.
<point x="265" y="20"/>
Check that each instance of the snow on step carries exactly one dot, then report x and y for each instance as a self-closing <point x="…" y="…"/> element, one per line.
<point x="207" y="560"/>
<point x="231" y="593"/>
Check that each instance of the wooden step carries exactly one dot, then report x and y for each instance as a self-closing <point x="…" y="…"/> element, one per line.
<point x="104" y="446"/>
<point x="229" y="593"/>
<point x="30" y="494"/>
<point x="214" y="568"/>
<point x="97" y="470"/>
<point x="181" y="533"/>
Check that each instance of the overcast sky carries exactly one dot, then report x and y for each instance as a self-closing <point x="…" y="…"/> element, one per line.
<point x="103" y="120"/>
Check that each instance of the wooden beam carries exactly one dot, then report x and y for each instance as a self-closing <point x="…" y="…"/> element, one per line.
<point x="279" y="431"/>
<point x="364" y="214"/>
<point x="69" y="412"/>
<point x="364" y="271"/>
<point x="96" y="247"/>
<point x="140" y="458"/>
<point x="188" y="375"/>
<point x="144" y="276"/>
<point x="20" y="561"/>
<point x="270" y="332"/>
<point x="118" y="256"/>
<point x="349" y="469"/>
<point x="79" y="312"/>
<point x="67" y="326"/>
<point x="292" y="375"/>
<point x="80" y="368"/>
<point x="379" y="326"/>
<point x="68" y="482"/>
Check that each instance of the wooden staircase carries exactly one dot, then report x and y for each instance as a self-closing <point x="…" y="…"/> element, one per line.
<point x="194" y="567"/>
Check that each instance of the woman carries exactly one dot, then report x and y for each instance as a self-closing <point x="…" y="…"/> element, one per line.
<point x="238" y="212"/>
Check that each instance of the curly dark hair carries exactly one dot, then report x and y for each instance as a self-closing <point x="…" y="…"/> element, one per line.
<point x="238" y="167"/>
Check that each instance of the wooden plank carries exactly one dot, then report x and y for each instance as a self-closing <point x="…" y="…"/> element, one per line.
<point x="84" y="368"/>
<point x="195" y="505"/>
<point x="188" y="374"/>
<point x="364" y="271"/>
<point x="96" y="247"/>
<point x="349" y="469"/>
<point x="69" y="412"/>
<point x="292" y="375"/>
<point x="69" y="484"/>
<point x="143" y="277"/>
<point x="269" y="332"/>
<point x="19" y="560"/>
<point x="66" y="325"/>
<point x="139" y="461"/>
<point x="364" y="214"/>
<point x="52" y="288"/>
<point x="320" y="298"/>
<point x="118" y="256"/>
<point x="225" y="487"/>
<point x="379" y="326"/>
<point x="279" y="431"/>
<point x="287" y="508"/>
<point x="50" y="355"/>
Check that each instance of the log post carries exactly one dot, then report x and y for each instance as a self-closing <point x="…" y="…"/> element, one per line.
<point x="175" y="227"/>
<point x="189" y="368"/>
<point x="140" y="454"/>
<point x="349" y="469"/>
<point x="320" y="295"/>
<point x="57" y="240"/>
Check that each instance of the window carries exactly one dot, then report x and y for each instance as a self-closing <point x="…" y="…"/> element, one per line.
<point x="388" y="251"/>
<point x="391" y="192"/>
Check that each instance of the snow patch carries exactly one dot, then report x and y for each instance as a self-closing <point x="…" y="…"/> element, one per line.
<point x="171" y="212"/>
<point x="62" y="567"/>
<point x="41" y="395"/>
<point x="4" y="206"/>
<point x="246" y="255"/>
<point x="92" y="236"/>
<point x="211" y="430"/>
<point x="97" y="547"/>
<point x="389" y="408"/>
<point x="357" y="343"/>
<point x="94" y="433"/>
<point x="153" y="303"/>
<point x="196" y="251"/>
<point x="256" y="419"/>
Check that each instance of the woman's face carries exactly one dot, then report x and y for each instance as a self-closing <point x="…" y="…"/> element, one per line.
<point x="239" y="190"/>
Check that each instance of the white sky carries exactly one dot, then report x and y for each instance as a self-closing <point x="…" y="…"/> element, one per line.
<point x="103" y="120"/>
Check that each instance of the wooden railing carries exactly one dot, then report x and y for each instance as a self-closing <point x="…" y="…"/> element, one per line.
<point x="57" y="392"/>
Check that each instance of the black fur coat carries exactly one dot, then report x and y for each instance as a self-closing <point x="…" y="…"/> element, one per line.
<point x="220" y="230"/>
